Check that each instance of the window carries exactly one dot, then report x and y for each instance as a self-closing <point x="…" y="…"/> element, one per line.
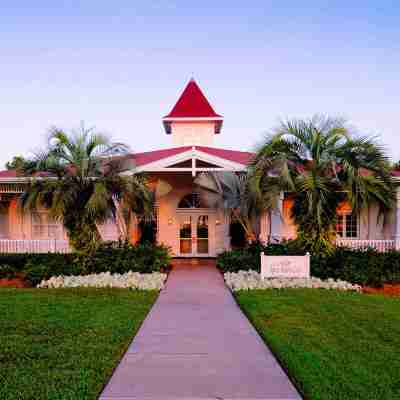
<point x="45" y="227"/>
<point x="347" y="225"/>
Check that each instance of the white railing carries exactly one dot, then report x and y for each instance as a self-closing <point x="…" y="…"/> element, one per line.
<point x="34" y="246"/>
<point x="379" y="245"/>
<point x="11" y="188"/>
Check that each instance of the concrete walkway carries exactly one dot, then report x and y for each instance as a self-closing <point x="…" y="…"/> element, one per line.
<point x="196" y="344"/>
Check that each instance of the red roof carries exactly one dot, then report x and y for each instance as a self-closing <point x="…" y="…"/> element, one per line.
<point x="192" y="103"/>
<point x="8" y="174"/>
<point x="241" y="157"/>
<point x="151" y="156"/>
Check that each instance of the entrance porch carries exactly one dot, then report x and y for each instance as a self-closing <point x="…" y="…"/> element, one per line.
<point x="186" y="222"/>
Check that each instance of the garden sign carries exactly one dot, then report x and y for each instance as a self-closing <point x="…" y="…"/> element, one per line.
<point x="285" y="266"/>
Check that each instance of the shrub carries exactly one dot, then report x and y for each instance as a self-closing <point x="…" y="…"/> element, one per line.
<point x="16" y="261"/>
<point x="236" y="260"/>
<point x="251" y="280"/>
<point x="132" y="280"/>
<point x="365" y="267"/>
<point x="36" y="271"/>
<point x="113" y="257"/>
<point x="28" y="263"/>
<point x="7" y="271"/>
<point x="391" y="266"/>
<point x="249" y="257"/>
<point x="123" y="257"/>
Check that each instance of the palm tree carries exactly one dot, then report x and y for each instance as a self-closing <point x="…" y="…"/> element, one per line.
<point x="231" y="193"/>
<point x="322" y="164"/>
<point x="77" y="178"/>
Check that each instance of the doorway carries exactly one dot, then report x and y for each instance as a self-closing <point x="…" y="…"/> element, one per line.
<point x="195" y="233"/>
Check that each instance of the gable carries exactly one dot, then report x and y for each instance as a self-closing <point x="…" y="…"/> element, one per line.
<point x="205" y="164"/>
<point x="182" y="164"/>
<point x="192" y="159"/>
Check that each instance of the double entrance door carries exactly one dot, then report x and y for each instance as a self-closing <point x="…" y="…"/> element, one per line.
<point x="195" y="231"/>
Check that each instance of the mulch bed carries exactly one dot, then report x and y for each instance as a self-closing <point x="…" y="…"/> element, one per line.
<point x="387" y="290"/>
<point x="17" y="282"/>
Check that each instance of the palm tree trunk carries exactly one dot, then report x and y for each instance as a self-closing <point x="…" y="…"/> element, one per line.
<point x="84" y="236"/>
<point x="122" y="226"/>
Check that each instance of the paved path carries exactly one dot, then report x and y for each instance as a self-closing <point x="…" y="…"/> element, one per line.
<point x="196" y="344"/>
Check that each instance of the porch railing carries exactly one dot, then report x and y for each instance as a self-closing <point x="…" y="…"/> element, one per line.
<point x="34" y="246"/>
<point x="379" y="245"/>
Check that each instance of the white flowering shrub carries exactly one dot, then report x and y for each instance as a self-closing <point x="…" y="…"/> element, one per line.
<point x="132" y="280"/>
<point x="248" y="280"/>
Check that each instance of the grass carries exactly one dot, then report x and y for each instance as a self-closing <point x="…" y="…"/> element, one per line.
<point x="334" y="345"/>
<point x="64" y="343"/>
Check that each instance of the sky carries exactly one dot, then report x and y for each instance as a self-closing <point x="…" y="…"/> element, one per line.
<point x="119" y="66"/>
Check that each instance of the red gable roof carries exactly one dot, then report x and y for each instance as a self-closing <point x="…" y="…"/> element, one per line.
<point x="192" y="103"/>
<point x="241" y="157"/>
<point x="156" y="155"/>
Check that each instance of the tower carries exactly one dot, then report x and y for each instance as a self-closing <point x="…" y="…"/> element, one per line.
<point x="192" y="121"/>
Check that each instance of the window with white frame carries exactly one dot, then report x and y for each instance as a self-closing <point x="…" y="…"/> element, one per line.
<point x="347" y="225"/>
<point x="45" y="227"/>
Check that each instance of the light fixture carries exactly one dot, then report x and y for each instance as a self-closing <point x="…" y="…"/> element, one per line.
<point x="170" y="221"/>
<point x="217" y="222"/>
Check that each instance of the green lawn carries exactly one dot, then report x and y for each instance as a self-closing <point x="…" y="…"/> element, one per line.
<point x="334" y="345"/>
<point x="64" y="343"/>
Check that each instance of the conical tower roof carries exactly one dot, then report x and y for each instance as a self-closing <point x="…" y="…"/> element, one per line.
<point x="192" y="104"/>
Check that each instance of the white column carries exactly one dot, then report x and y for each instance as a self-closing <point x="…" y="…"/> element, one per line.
<point x="276" y="221"/>
<point x="227" y="236"/>
<point x="397" y="231"/>
<point x="193" y="161"/>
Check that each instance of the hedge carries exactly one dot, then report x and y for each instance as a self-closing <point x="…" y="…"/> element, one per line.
<point x="113" y="257"/>
<point x="249" y="257"/>
<point x="364" y="267"/>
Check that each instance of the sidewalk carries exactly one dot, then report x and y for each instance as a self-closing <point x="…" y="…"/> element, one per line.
<point x="197" y="344"/>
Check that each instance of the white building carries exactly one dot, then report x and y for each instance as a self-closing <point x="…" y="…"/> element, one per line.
<point x="184" y="223"/>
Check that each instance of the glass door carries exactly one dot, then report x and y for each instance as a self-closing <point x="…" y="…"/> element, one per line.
<point x="202" y="235"/>
<point x="185" y="235"/>
<point x="194" y="235"/>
